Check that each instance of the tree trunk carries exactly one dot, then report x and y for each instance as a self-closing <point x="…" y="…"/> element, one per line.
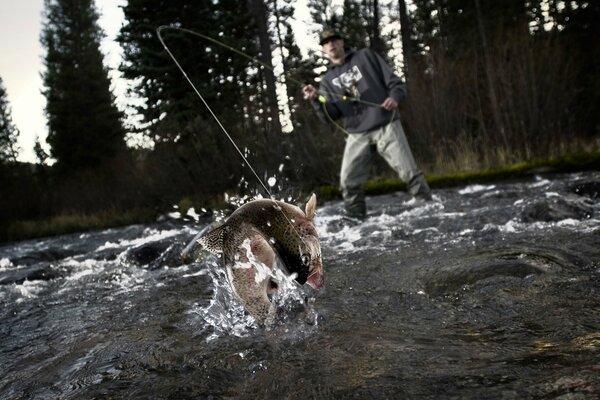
<point x="488" y="73"/>
<point x="406" y="41"/>
<point x="260" y="14"/>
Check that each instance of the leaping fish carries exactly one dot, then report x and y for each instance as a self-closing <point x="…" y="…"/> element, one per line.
<point x="255" y="235"/>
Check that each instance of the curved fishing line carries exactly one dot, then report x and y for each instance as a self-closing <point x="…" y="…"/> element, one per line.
<point x="158" y="31"/>
<point x="264" y="65"/>
<point x="350" y="136"/>
<point x="322" y="100"/>
<point x="257" y="61"/>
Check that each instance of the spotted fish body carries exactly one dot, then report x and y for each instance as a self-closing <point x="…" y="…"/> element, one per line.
<point x="254" y="236"/>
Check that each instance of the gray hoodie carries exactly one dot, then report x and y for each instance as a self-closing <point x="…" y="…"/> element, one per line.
<point x="364" y="75"/>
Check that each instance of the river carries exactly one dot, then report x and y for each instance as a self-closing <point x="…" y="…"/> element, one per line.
<point x="488" y="292"/>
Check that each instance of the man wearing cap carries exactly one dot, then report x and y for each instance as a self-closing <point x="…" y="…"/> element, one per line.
<point x="362" y="90"/>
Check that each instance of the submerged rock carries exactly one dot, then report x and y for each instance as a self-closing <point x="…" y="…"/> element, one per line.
<point x="32" y="273"/>
<point x="557" y="209"/>
<point x="155" y="255"/>
<point x="589" y="189"/>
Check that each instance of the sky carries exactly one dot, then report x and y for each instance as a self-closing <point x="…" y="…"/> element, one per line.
<point x="21" y="61"/>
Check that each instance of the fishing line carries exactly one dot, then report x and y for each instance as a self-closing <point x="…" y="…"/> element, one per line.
<point x="321" y="99"/>
<point x="254" y="59"/>
<point x="158" y="31"/>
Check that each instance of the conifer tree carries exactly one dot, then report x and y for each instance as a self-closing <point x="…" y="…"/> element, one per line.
<point x="352" y="24"/>
<point x="8" y="131"/>
<point x="84" y="124"/>
<point x="172" y="115"/>
<point x="218" y="73"/>
<point x="325" y="13"/>
<point x="40" y="153"/>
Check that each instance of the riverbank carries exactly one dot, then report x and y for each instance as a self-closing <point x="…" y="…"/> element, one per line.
<point x="570" y="163"/>
<point x="69" y="223"/>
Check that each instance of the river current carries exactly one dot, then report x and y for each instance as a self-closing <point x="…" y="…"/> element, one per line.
<point x="487" y="292"/>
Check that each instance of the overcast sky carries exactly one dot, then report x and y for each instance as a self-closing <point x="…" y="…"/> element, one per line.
<point x="21" y="62"/>
<point x="21" y="56"/>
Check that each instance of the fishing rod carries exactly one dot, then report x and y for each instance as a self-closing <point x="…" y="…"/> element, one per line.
<point x="257" y="61"/>
<point x="158" y="31"/>
<point x="321" y="98"/>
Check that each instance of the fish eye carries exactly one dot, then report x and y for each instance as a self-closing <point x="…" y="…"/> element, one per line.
<point x="305" y="259"/>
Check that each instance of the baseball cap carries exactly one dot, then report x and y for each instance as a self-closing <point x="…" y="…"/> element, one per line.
<point x="329" y="34"/>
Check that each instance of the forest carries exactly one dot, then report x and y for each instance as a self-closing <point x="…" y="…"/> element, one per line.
<point x="489" y="83"/>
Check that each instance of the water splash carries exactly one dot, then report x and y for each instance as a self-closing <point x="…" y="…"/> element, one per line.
<point x="224" y="316"/>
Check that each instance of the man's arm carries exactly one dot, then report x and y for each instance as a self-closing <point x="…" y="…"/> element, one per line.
<point x="311" y="94"/>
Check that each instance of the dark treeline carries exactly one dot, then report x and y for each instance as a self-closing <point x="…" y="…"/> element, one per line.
<point x="489" y="83"/>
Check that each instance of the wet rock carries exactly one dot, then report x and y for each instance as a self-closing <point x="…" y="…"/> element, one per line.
<point x="146" y="254"/>
<point x="47" y="255"/>
<point x="32" y="273"/>
<point x="589" y="189"/>
<point x="451" y="278"/>
<point x="337" y="225"/>
<point x="155" y="255"/>
<point x="557" y="209"/>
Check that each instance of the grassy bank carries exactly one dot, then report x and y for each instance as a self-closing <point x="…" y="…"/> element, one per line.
<point x="570" y="163"/>
<point x="62" y="224"/>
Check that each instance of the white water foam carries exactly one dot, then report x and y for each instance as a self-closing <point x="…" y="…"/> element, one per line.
<point x="225" y="316"/>
<point x="5" y="264"/>
<point x="475" y="189"/>
<point x="29" y="289"/>
<point x="149" y="235"/>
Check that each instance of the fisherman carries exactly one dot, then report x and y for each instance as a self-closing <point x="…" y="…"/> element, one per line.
<point x="360" y="88"/>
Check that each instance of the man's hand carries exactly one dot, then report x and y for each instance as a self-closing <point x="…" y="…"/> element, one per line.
<point x="309" y="91"/>
<point x="389" y="104"/>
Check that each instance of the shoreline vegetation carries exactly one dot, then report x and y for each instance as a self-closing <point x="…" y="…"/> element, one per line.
<point x="84" y="222"/>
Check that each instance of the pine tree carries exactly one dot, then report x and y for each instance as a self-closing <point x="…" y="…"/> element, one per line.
<point x="352" y="24"/>
<point x="405" y="34"/>
<point x="219" y="74"/>
<point x="261" y="17"/>
<point x="8" y="131"/>
<point x="84" y="124"/>
<point x="232" y="84"/>
<point x="40" y="153"/>
<point x="325" y="13"/>
<point x="576" y="25"/>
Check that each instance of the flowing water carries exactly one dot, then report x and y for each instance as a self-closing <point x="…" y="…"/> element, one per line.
<point x="487" y="292"/>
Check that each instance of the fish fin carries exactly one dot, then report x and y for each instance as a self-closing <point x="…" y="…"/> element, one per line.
<point x="213" y="240"/>
<point x="311" y="207"/>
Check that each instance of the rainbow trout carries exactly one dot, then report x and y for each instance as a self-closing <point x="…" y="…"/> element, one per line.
<point x="251" y="240"/>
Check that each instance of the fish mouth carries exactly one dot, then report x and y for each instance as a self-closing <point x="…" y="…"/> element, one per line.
<point x="315" y="280"/>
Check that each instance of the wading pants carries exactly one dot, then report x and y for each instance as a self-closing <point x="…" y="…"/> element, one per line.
<point x="390" y="142"/>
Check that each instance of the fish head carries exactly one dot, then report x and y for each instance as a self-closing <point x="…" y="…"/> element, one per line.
<point x="311" y="260"/>
<point x="307" y="262"/>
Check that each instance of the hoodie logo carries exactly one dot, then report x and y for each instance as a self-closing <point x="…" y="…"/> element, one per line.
<point x="349" y="79"/>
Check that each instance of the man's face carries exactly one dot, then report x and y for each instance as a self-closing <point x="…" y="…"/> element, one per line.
<point x="334" y="49"/>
